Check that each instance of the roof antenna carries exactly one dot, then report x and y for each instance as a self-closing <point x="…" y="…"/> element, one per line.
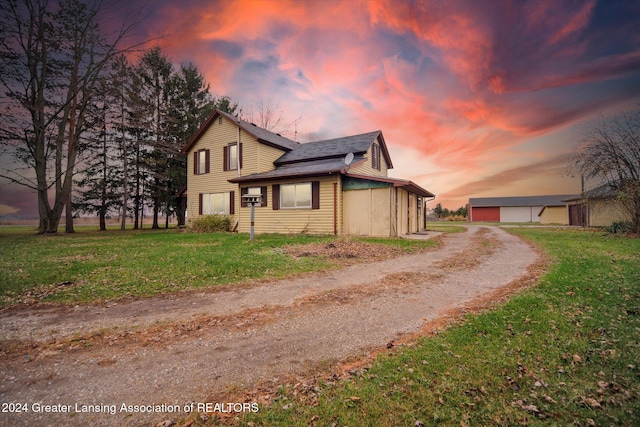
<point x="295" y="134"/>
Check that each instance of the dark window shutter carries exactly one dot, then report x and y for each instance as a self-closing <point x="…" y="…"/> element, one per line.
<point x="195" y="163"/>
<point x="275" y="194"/>
<point x="240" y="154"/>
<point x="200" y="204"/>
<point x="263" y="192"/>
<point x="375" y="157"/>
<point x="225" y="158"/>
<point x="232" y="202"/>
<point x="243" y="191"/>
<point x="315" y="195"/>
<point x="206" y="161"/>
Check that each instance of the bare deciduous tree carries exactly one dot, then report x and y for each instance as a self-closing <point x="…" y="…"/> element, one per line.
<point x="610" y="155"/>
<point x="270" y="116"/>
<point x="52" y="56"/>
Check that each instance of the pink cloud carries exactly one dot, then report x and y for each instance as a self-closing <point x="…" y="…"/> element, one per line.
<point x="460" y="83"/>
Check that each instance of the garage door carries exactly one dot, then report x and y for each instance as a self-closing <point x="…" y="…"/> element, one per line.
<point x="490" y="214"/>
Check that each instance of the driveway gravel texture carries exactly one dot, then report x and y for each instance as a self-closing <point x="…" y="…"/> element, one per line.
<point x="145" y="362"/>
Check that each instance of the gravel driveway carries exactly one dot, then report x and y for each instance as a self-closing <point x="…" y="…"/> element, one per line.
<point x="164" y="353"/>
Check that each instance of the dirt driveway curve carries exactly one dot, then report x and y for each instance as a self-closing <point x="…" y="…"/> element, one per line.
<point x="172" y="351"/>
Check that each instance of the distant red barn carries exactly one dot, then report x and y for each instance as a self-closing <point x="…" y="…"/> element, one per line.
<point x="512" y="209"/>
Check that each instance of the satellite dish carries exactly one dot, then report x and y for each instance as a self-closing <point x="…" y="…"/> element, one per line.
<point x="348" y="159"/>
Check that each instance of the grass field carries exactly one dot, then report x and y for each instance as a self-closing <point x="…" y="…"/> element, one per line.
<point x="566" y="352"/>
<point x="90" y="266"/>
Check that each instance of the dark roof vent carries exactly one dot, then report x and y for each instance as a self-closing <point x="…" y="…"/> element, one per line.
<point x="254" y="124"/>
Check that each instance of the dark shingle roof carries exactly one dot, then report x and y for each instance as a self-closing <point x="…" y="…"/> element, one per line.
<point x="298" y="170"/>
<point x="329" y="148"/>
<point x="553" y="200"/>
<point x="262" y="135"/>
<point x="604" y="191"/>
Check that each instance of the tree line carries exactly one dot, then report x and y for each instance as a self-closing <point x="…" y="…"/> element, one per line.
<point x="95" y="126"/>
<point x="440" y="212"/>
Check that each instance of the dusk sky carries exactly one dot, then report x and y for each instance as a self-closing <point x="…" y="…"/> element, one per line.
<point x="474" y="98"/>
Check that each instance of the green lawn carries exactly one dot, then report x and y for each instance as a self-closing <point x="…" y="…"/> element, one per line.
<point x="91" y="266"/>
<point x="566" y="352"/>
<point x="446" y="227"/>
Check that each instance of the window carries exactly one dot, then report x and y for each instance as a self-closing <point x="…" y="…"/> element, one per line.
<point x="201" y="162"/>
<point x="296" y="196"/>
<point x="375" y="156"/>
<point x="217" y="203"/>
<point x="232" y="157"/>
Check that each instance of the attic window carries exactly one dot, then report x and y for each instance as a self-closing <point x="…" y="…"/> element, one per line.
<point x="375" y="156"/>
<point x="219" y="120"/>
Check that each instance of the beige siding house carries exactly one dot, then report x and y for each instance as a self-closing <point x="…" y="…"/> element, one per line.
<point x="303" y="188"/>
<point x="598" y="207"/>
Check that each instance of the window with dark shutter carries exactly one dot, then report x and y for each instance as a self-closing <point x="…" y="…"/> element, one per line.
<point x="195" y="163"/>
<point x="243" y="191"/>
<point x="231" y="157"/>
<point x="201" y="162"/>
<point x="263" y="191"/>
<point x="304" y="195"/>
<point x="275" y="194"/>
<point x="315" y="195"/>
<point x="375" y="156"/>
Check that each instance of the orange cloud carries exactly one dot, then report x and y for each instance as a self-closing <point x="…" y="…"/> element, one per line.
<point x="461" y="85"/>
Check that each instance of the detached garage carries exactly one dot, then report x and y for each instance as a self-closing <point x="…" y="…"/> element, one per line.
<point x="512" y="209"/>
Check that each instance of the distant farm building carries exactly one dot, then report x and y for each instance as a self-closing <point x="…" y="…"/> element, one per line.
<point x="597" y="207"/>
<point x="544" y="209"/>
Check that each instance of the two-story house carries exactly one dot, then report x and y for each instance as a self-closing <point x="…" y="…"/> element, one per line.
<point x="337" y="186"/>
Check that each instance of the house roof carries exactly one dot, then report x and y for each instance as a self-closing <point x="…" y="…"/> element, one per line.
<point x="410" y="186"/>
<point x="328" y="167"/>
<point x="299" y="170"/>
<point x="262" y="135"/>
<point x="552" y="200"/>
<point x="604" y="191"/>
<point x="335" y="148"/>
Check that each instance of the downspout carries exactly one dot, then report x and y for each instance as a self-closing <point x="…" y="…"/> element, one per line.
<point x="335" y="208"/>
<point x="237" y="226"/>
<point x="238" y="153"/>
<point x="397" y="230"/>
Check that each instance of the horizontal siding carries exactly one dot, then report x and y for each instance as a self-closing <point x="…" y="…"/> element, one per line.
<point x="266" y="155"/>
<point x="312" y="221"/>
<point x="554" y="215"/>
<point x="605" y="213"/>
<point x="256" y="157"/>
<point x="214" y="139"/>
<point x="366" y="169"/>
